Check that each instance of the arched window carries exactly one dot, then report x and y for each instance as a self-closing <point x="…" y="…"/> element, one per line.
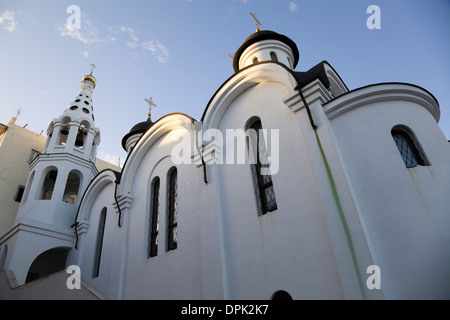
<point x="255" y="60"/>
<point x="48" y="185"/>
<point x="72" y="187"/>
<point x="289" y="61"/>
<point x="99" y="244"/>
<point x="81" y="135"/>
<point x="409" y="147"/>
<point x="64" y="132"/>
<point x="172" y="210"/>
<point x="273" y="56"/>
<point x="260" y="167"/>
<point x="154" y="219"/>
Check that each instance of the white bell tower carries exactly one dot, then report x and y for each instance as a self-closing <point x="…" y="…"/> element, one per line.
<point x="74" y="131"/>
<point x="42" y="234"/>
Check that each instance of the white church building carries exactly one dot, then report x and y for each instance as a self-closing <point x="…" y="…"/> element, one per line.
<point x="346" y="197"/>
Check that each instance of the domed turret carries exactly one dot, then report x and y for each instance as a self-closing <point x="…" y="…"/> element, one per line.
<point x="130" y="139"/>
<point x="266" y="45"/>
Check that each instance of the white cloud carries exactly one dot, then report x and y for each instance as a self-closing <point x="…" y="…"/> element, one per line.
<point x="130" y="32"/>
<point x="85" y="54"/>
<point x="87" y="34"/>
<point x="131" y="44"/>
<point x="7" y="17"/>
<point x="156" y="47"/>
<point x="293" y="6"/>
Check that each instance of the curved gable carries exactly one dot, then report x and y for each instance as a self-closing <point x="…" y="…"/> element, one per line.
<point x="98" y="184"/>
<point x="267" y="71"/>
<point x="160" y="128"/>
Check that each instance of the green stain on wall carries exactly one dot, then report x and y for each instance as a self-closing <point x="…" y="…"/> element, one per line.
<point x="341" y="216"/>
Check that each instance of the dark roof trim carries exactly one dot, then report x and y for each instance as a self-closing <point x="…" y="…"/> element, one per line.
<point x="381" y="83"/>
<point x="140" y="125"/>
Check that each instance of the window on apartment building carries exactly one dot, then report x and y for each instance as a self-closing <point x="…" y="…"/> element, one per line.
<point x="33" y="155"/>
<point x="19" y="193"/>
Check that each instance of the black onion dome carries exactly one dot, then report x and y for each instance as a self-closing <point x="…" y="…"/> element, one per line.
<point x="264" y="35"/>
<point x="141" y="127"/>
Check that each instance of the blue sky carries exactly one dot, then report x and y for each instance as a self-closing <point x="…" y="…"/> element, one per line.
<point x="176" y="51"/>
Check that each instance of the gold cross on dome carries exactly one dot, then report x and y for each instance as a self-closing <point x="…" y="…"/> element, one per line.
<point x="150" y="102"/>
<point x="93" y="66"/>
<point x="256" y="21"/>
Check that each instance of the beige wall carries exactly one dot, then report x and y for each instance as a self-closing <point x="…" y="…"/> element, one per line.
<point x="16" y="145"/>
<point x="102" y="165"/>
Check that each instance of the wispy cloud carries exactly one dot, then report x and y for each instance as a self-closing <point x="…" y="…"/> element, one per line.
<point x="131" y="32"/>
<point x="87" y="34"/>
<point x="293" y="6"/>
<point x="8" y="19"/>
<point x="229" y="12"/>
<point x="156" y="47"/>
<point x="133" y="42"/>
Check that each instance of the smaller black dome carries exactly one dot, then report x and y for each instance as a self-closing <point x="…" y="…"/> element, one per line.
<point x="141" y="127"/>
<point x="264" y="35"/>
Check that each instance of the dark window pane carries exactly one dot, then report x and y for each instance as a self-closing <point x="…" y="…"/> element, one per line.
<point x="264" y="191"/>
<point x="99" y="244"/>
<point x="408" y="146"/>
<point x="173" y="210"/>
<point x="154" y="216"/>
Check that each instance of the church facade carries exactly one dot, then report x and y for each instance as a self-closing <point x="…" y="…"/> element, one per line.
<point x="290" y="185"/>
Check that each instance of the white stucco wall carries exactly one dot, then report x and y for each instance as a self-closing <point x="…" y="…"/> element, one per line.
<point x="291" y="240"/>
<point x="404" y="211"/>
